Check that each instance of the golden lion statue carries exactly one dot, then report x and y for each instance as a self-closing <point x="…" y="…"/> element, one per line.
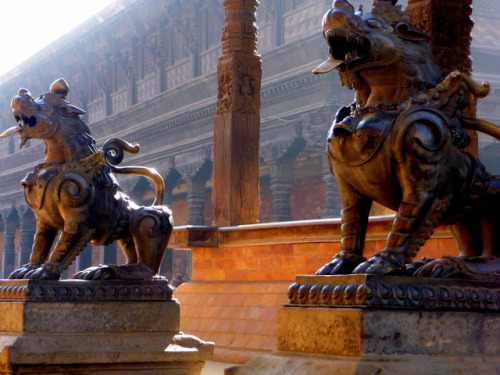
<point x="401" y="144"/>
<point x="74" y="192"/>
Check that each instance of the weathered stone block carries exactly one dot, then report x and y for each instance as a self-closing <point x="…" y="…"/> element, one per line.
<point x="369" y="324"/>
<point x="101" y="327"/>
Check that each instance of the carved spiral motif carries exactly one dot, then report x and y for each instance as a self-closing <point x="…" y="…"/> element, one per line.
<point x="114" y="150"/>
<point x="350" y="294"/>
<point x="315" y="293"/>
<point x="326" y="294"/>
<point x="338" y="294"/>
<point x="293" y="292"/>
<point x="304" y="293"/>
<point x="363" y="294"/>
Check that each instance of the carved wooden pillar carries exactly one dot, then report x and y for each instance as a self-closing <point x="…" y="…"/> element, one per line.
<point x="333" y="203"/>
<point x="196" y="32"/>
<point x="235" y="191"/>
<point x="131" y="68"/>
<point x="27" y="230"/>
<point x="107" y="87"/>
<point x="281" y="185"/>
<point x="9" y="248"/>
<point x="280" y="156"/>
<point x="279" y="23"/>
<point x="449" y="25"/>
<point x="196" y="194"/>
<point x="196" y="175"/>
<point x="162" y="60"/>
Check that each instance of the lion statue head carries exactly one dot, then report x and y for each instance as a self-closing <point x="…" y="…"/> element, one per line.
<point x="366" y="46"/>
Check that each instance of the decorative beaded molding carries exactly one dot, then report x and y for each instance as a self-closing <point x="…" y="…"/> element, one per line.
<point x="80" y="290"/>
<point x="393" y="292"/>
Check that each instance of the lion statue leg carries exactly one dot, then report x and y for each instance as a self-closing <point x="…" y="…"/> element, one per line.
<point x="44" y="238"/>
<point x="66" y="250"/>
<point x="150" y="230"/>
<point x="356" y="208"/>
<point x="420" y="211"/>
<point x="412" y="226"/>
<point x="478" y="242"/>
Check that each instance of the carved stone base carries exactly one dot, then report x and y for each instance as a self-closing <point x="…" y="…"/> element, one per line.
<point x="96" y="327"/>
<point x="367" y="324"/>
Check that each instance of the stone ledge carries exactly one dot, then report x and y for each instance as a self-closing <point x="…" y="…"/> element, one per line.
<point x="394" y="292"/>
<point x="299" y="364"/>
<point x="307" y="231"/>
<point x="125" y="353"/>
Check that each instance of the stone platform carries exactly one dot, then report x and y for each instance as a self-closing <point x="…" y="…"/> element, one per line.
<point x="95" y="327"/>
<point x="369" y="324"/>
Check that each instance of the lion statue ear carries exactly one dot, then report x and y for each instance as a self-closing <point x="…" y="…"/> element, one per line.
<point x="69" y="110"/>
<point x="409" y="32"/>
<point x="60" y="86"/>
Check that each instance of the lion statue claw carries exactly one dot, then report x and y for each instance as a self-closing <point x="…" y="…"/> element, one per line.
<point x="401" y="144"/>
<point x="75" y="196"/>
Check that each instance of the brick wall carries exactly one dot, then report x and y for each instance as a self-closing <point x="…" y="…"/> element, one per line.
<point x="238" y="285"/>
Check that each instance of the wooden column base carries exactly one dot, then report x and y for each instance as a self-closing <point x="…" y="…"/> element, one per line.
<point x="235" y="189"/>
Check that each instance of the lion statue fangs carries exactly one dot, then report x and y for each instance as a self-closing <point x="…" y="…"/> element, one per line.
<point x="73" y="192"/>
<point x="400" y="144"/>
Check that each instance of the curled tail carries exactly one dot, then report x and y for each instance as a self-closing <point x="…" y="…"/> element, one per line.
<point x="113" y="150"/>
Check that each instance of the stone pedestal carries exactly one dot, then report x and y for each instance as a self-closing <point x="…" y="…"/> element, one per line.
<point x="368" y="324"/>
<point x="96" y="327"/>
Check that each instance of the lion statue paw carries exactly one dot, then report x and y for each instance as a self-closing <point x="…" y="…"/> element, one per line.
<point x="136" y="271"/>
<point x="41" y="273"/>
<point x="342" y="264"/>
<point x="479" y="268"/>
<point x="20" y="273"/>
<point x="383" y="263"/>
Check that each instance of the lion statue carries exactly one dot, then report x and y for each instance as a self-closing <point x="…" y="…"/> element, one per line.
<point x="73" y="192"/>
<point x="401" y="144"/>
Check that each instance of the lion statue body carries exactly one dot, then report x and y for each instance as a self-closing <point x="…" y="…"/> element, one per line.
<point x="74" y="193"/>
<point x="401" y="144"/>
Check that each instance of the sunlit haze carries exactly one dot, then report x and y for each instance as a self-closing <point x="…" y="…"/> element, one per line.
<point x="28" y="26"/>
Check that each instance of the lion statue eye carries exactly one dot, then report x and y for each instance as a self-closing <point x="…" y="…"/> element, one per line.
<point x="373" y="23"/>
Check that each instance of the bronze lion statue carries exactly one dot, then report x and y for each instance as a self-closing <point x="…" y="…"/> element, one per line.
<point x="401" y="144"/>
<point x="73" y="192"/>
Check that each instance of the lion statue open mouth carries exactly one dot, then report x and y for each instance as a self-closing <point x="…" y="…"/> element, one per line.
<point x="74" y="193"/>
<point x="401" y="144"/>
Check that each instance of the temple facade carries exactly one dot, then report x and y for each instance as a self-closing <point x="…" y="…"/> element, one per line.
<point x="146" y="71"/>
